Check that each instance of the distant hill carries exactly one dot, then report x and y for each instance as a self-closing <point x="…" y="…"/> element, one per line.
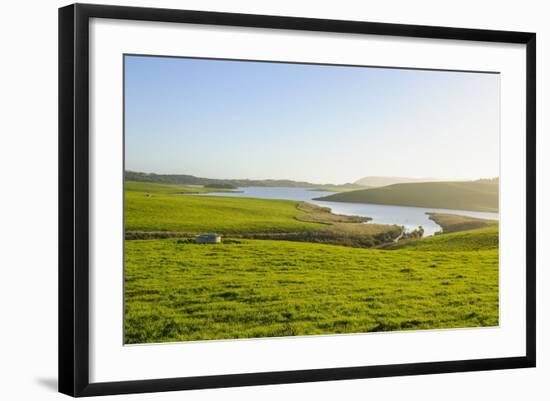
<point x="184" y="179"/>
<point x="481" y="195"/>
<point x="375" y="181"/>
<point x="338" y="188"/>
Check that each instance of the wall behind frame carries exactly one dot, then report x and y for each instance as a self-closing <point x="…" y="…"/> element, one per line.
<point x="28" y="234"/>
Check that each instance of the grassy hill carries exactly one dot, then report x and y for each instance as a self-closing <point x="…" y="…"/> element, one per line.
<point x="153" y="209"/>
<point x="163" y="210"/>
<point x="481" y="195"/>
<point x="376" y="181"/>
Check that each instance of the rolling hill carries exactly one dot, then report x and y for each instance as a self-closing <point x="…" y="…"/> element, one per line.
<point x="185" y="179"/>
<point x="375" y="181"/>
<point x="481" y="195"/>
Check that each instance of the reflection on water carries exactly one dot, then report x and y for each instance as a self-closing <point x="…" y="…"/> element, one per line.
<point x="409" y="217"/>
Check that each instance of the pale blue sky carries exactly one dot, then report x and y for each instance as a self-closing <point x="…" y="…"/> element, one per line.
<point x="322" y="124"/>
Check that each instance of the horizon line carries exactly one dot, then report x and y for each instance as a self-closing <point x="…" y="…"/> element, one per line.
<point x="434" y="179"/>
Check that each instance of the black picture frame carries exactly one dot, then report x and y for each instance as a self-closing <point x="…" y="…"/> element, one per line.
<point x="74" y="198"/>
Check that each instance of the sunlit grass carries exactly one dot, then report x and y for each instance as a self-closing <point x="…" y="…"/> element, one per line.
<point x="481" y="195"/>
<point x="176" y="290"/>
<point x="180" y="291"/>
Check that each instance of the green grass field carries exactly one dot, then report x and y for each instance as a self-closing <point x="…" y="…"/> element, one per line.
<point x="464" y="241"/>
<point x="179" y="291"/>
<point x="162" y="207"/>
<point x="481" y="195"/>
<point x="152" y="212"/>
<point x="149" y="187"/>
<point x="196" y="214"/>
<point x="176" y="290"/>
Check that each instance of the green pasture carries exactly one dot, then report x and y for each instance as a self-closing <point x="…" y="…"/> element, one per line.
<point x="155" y="209"/>
<point x="176" y="290"/>
<point x="150" y="187"/>
<point x="195" y="214"/>
<point x="180" y="291"/>
<point x="464" y="241"/>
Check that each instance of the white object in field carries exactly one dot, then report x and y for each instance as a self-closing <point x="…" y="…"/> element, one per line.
<point x="210" y="238"/>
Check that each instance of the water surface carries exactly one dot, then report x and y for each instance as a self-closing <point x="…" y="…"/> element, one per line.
<point x="407" y="216"/>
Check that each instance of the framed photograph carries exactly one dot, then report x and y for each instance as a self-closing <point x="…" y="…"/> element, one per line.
<point x="251" y="199"/>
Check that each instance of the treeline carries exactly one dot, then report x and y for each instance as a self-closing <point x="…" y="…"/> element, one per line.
<point x="184" y="179"/>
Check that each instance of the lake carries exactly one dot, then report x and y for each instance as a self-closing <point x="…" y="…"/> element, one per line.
<point x="409" y="217"/>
